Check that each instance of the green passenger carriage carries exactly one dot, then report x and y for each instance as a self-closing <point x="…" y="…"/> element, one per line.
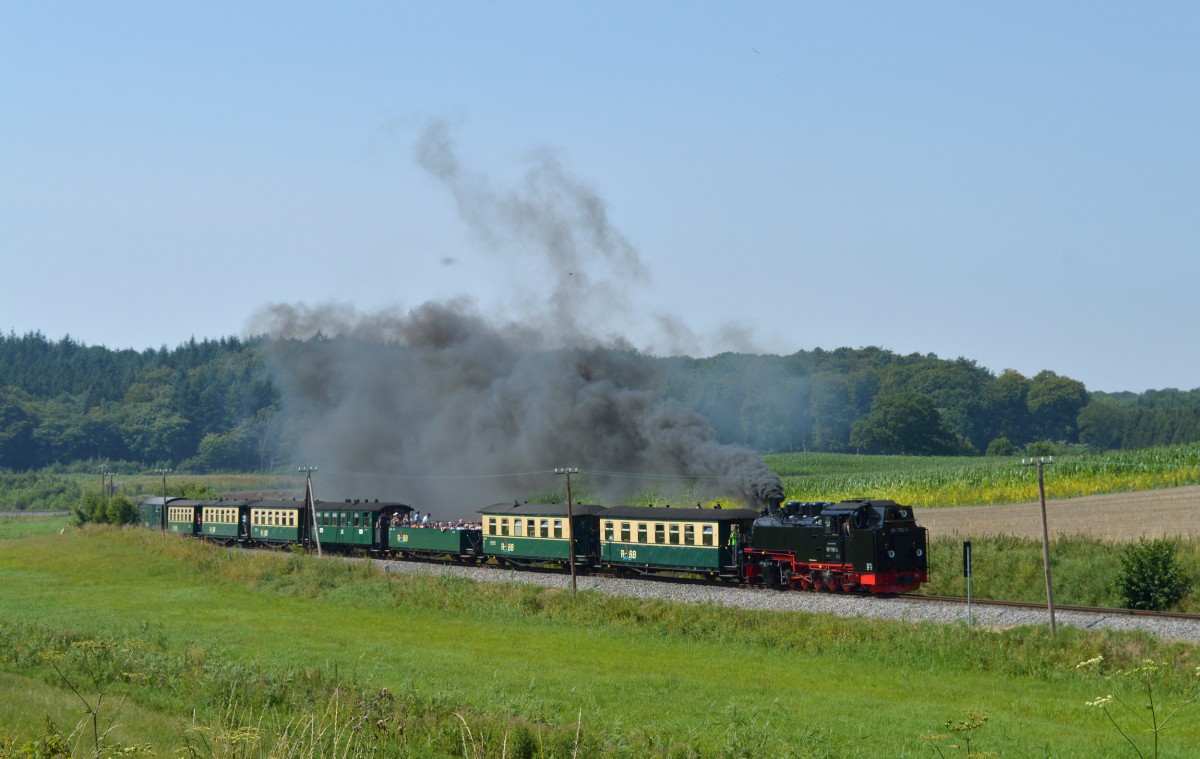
<point x="356" y="524"/>
<point x="274" y="522"/>
<point x="652" y="539"/>
<point x="225" y="521"/>
<point x="153" y="512"/>
<point x="538" y="533"/>
<point x="432" y="542"/>
<point x="183" y="517"/>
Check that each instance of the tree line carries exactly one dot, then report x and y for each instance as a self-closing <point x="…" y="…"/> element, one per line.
<point x="212" y="405"/>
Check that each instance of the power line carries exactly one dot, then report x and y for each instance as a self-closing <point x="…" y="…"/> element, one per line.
<point x="534" y="473"/>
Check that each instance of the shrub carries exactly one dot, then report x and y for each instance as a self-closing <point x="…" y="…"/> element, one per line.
<point x="94" y="507"/>
<point x="1001" y="446"/>
<point x="1041" y="448"/>
<point x="1151" y="576"/>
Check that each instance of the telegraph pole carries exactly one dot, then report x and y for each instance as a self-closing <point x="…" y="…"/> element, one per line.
<point x="164" y="472"/>
<point x="103" y="489"/>
<point x="568" y="471"/>
<point x="311" y="503"/>
<point x="1045" y="535"/>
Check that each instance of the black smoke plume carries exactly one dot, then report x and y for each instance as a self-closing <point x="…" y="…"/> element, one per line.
<point x="451" y="410"/>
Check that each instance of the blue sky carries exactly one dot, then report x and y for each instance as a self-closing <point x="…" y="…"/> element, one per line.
<point x="1014" y="183"/>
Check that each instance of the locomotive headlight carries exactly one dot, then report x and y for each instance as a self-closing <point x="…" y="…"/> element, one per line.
<point x="920" y="553"/>
<point x="891" y="554"/>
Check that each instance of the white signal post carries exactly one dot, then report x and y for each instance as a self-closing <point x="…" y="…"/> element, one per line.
<point x="568" y="471"/>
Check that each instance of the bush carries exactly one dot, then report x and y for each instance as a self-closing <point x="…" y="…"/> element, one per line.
<point x="1151" y="576"/>
<point x="1001" y="446"/>
<point x="1041" y="448"/>
<point x="94" y="507"/>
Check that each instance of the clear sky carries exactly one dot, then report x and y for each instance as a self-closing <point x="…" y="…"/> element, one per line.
<point x="1016" y="183"/>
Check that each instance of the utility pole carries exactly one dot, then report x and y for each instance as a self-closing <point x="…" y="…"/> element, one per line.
<point x="164" y="472"/>
<point x="1045" y="535"/>
<point x="103" y="489"/>
<point x="568" y="471"/>
<point x="311" y="503"/>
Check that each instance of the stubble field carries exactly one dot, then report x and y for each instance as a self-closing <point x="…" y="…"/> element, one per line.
<point x="1116" y="517"/>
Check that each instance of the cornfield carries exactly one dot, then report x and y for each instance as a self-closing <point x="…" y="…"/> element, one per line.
<point x="962" y="481"/>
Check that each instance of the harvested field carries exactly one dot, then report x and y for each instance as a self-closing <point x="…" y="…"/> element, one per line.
<point x="1114" y="516"/>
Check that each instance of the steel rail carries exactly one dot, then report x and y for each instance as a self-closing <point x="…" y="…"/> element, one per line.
<point x="1042" y="607"/>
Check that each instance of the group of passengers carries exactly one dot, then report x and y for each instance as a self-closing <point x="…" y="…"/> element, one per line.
<point x="417" y="519"/>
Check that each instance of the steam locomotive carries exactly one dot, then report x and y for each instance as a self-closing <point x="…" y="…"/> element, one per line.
<point x="869" y="546"/>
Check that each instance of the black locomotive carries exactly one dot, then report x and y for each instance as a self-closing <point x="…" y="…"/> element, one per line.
<point x="874" y="546"/>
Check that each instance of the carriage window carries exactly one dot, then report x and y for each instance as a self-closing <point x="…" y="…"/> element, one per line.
<point x="642" y="530"/>
<point x="608" y="531"/>
<point x="544" y="529"/>
<point x="491" y="526"/>
<point x="674" y="534"/>
<point x="660" y="533"/>
<point x="558" y="525"/>
<point x="531" y="527"/>
<point x="356" y="519"/>
<point x="708" y="535"/>
<point x="504" y="526"/>
<point x="689" y="534"/>
<point x="625" y="532"/>
<point x="517" y="527"/>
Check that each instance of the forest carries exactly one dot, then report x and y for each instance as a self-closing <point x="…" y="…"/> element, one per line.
<point x="213" y="405"/>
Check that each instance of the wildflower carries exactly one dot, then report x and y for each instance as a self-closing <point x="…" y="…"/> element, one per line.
<point x="1091" y="662"/>
<point x="1101" y="702"/>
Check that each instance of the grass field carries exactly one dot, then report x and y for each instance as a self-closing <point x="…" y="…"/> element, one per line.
<point x="226" y="641"/>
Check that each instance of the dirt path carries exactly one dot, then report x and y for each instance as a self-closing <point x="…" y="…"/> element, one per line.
<point x="1115" y="516"/>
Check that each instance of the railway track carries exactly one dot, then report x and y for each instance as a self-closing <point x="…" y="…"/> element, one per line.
<point x="1057" y="607"/>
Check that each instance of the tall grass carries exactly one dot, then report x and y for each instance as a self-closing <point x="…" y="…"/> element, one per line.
<point x="1083" y="570"/>
<point x="289" y="655"/>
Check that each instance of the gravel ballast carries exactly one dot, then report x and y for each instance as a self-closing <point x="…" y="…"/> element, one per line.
<point x="818" y="603"/>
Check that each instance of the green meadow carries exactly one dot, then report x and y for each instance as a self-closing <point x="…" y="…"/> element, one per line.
<point x="217" y="652"/>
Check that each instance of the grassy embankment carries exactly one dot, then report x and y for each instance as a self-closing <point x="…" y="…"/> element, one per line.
<point x="932" y="481"/>
<point x="236" y="649"/>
